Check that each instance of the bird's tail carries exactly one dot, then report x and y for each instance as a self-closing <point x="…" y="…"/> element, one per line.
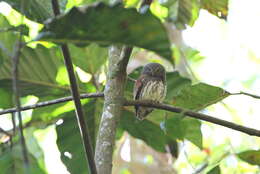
<point x="142" y="112"/>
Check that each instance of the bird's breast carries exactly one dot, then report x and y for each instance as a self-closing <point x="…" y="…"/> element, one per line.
<point x="153" y="90"/>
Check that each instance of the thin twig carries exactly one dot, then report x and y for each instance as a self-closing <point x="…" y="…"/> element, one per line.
<point x="76" y="97"/>
<point x="245" y="93"/>
<point x="15" y="59"/>
<point x="201" y="168"/>
<point x="51" y="102"/>
<point x="13" y="120"/>
<point x="5" y="132"/>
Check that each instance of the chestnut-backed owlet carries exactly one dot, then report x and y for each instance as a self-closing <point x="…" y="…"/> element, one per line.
<point x="150" y="86"/>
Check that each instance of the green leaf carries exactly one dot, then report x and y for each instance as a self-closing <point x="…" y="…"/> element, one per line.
<point x="38" y="69"/>
<point x="145" y="130"/>
<point x="193" y="97"/>
<point x="69" y="136"/>
<point x="199" y="96"/>
<point x="183" y="12"/>
<point x="7" y="96"/>
<point x="40" y="75"/>
<point x="215" y="170"/>
<point x="36" y="10"/>
<point x="175" y="83"/>
<point x="218" y="8"/>
<point x="90" y="58"/>
<point x="7" y="39"/>
<point x="70" y="145"/>
<point x="128" y="27"/>
<point x="193" y="131"/>
<point x="178" y="127"/>
<point x="250" y="156"/>
<point x="11" y="161"/>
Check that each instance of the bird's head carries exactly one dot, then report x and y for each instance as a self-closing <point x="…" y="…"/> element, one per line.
<point x="154" y="70"/>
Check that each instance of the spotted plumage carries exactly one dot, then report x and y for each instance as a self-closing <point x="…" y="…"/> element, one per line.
<point x="151" y="85"/>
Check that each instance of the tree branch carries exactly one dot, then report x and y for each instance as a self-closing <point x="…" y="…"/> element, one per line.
<point x="200" y="116"/>
<point x="205" y="117"/>
<point x="51" y="102"/>
<point x="85" y="137"/>
<point x="114" y="93"/>
<point x="5" y="132"/>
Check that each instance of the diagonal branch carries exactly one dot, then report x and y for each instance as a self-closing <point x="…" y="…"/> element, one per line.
<point x="76" y="98"/>
<point x="205" y="117"/>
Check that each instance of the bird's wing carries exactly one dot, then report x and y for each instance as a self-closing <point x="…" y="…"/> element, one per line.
<point x="137" y="91"/>
<point x="138" y="88"/>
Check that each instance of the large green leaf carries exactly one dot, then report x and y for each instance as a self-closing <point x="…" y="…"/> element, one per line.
<point x="69" y="140"/>
<point x="199" y="96"/>
<point x="218" y="8"/>
<point x="70" y="146"/>
<point x="94" y="24"/>
<point x="38" y="70"/>
<point x="178" y="127"/>
<point x="145" y="130"/>
<point x="193" y="97"/>
<point x="42" y="72"/>
<point x="90" y="58"/>
<point x="183" y="12"/>
<point x="36" y="10"/>
<point x="175" y="83"/>
<point x="250" y="156"/>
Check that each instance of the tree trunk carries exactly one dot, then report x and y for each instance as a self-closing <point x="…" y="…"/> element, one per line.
<point x="114" y="92"/>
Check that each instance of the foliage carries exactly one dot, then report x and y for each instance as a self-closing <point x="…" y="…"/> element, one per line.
<point x="128" y="27"/>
